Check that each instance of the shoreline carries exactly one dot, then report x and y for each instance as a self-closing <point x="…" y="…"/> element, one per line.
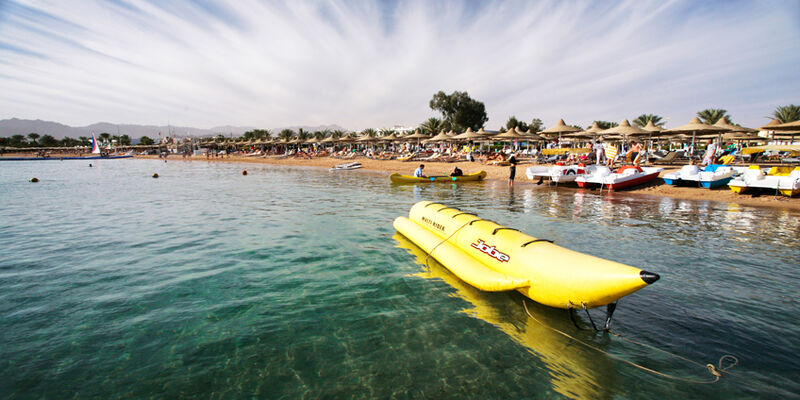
<point x="498" y="173"/>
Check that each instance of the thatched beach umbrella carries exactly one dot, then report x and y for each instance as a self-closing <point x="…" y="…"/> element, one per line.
<point x="559" y="128"/>
<point x="625" y="129"/>
<point x="695" y="126"/>
<point x="441" y="137"/>
<point x="470" y="135"/>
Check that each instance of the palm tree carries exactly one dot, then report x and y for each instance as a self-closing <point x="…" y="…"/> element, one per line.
<point x="84" y="140"/>
<point x="431" y="126"/>
<point x="125" y="140"/>
<point x="303" y="134"/>
<point x="386" y="131"/>
<point x="786" y="114"/>
<point x="370" y="132"/>
<point x="319" y="135"/>
<point x="710" y="116"/>
<point x="286" y="134"/>
<point x="220" y="138"/>
<point x="337" y="134"/>
<point x="643" y="119"/>
<point x="605" y="124"/>
<point x="33" y="137"/>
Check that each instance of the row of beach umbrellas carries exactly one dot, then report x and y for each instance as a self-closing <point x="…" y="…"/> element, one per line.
<point x="694" y="130"/>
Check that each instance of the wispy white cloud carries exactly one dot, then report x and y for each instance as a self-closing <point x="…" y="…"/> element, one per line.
<point x="371" y="64"/>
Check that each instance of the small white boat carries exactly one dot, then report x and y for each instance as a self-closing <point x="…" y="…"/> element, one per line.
<point x="785" y="180"/>
<point x="558" y="173"/>
<point x="711" y="176"/>
<point x="345" y="167"/>
<point x="626" y="176"/>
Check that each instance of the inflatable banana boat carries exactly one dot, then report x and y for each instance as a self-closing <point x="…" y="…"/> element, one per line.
<point x="495" y="258"/>
<point x="398" y="178"/>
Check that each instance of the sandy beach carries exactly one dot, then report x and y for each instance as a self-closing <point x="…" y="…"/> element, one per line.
<point x="657" y="188"/>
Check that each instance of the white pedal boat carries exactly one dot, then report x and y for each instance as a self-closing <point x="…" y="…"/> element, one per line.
<point x="785" y="180"/>
<point x="558" y="173"/>
<point x="626" y="176"/>
<point x="711" y="176"/>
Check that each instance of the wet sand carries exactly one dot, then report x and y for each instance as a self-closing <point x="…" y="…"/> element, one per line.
<point x="656" y="188"/>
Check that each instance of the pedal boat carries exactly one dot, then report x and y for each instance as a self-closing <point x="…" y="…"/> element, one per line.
<point x="626" y="176"/>
<point x="785" y="180"/>
<point x="558" y="173"/>
<point x="714" y="175"/>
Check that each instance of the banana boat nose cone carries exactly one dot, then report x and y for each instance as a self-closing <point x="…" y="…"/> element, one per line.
<point x="648" y="277"/>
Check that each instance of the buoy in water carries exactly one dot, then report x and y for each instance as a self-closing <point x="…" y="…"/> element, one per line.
<point x="155" y="175"/>
<point x="244" y="172"/>
<point x="34" y="179"/>
<point x="90" y="165"/>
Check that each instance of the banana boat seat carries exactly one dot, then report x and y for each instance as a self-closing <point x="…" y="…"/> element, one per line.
<point x="492" y="257"/>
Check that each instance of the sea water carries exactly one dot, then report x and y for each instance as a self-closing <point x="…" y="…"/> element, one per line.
<point x="291" y="283"/>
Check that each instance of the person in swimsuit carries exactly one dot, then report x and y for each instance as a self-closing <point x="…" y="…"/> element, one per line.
<point x="512" y="170"/>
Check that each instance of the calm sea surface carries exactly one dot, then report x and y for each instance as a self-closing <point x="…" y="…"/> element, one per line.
<point x="291" y="283"/>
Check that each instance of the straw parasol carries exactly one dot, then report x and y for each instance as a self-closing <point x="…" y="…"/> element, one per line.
<point x="471" y="135"/>
<point x="625" y="129"/>
<point x="695" y="126"/>
<point x="417" y="135"/>
<point x="651" y="127"/>
<point x="775" y="125"/>
<point x="722" y="123"/>
<point x="560" y="128"/>
<point x="441" y="137"/>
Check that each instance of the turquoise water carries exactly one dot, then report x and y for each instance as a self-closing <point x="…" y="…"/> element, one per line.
<point x="290" y="283"/>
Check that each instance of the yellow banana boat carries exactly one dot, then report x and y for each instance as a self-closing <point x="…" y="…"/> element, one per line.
<point x="495" y="258"/>
<point x="399" y="178"/>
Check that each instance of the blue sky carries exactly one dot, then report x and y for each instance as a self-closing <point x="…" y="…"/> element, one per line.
<point x="362" y="64"/>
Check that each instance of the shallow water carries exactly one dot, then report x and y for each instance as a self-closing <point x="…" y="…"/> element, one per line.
<point x="291" y="283"/>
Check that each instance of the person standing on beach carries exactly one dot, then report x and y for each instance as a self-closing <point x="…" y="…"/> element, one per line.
<point x="599" y="151"/>
<point x="512" y="169"/>
<point x="708" y="158"/>
<point x="418" y="172"/>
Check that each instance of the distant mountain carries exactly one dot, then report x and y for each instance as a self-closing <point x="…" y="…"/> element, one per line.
<point x="16" y="126"/>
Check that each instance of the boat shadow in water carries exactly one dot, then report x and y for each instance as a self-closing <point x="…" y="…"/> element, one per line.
<point x="575" y="371"/>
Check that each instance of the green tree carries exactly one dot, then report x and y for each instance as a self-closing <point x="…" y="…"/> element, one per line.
<point x="33" y="137"/>
<point x="386" y="131"/>
<point x="370" y="132"/>
<point x="145" y="140"/>
<point x="513" y="122"/>
<point x="125" y="140"/>
<point x="710" y="116"/>
<point x="786" y="114"/>
<point x="460" y="110"/>
<point x="18" y="141"/>
<point x="303" y="134"/>
<point x="48" y="141"/>
<point x="643" y="119"/>
<point x="431" y="126"/>
<point x="220" y="138"/>
<point x="83" y="140"/>
<point x="337" y="134"/>
<point x="286" y="134"/>
<point x="605" y="124"/>
<point x="105" y="136"/>
<point x="536" y="125"/>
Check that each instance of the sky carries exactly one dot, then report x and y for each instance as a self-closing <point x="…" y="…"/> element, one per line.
<point x="376" y="64"/>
